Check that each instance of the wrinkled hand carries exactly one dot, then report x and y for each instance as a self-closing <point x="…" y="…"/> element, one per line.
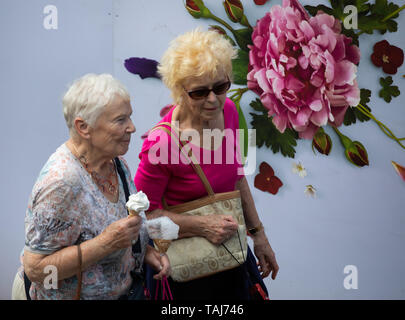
<point x="267" y="259"/>
<point x="119" y="234"/>
<point x="158" y="262"/>
<point x="219" y="228"/>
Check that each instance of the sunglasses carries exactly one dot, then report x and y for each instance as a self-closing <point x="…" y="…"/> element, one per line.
<point x="203" y="93"/>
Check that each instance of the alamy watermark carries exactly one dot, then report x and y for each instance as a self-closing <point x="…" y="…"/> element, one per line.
<point x="51" y="19"/>
<point x="351" y="20"/>
<point x="207" y="149"/>
<point x="351" y="281"/>
<point x="51" y="280"/>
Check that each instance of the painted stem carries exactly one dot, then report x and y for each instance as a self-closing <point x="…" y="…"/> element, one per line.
<point x="382" y="126"/>
<point x="219" y="20"/>
<point x="393" y="13"/>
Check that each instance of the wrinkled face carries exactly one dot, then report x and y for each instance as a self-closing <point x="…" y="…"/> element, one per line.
<point x="210" y="107"/>
<point x="111" y="134"/>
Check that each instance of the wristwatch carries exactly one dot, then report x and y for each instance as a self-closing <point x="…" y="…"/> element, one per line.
<point x="255" y="230"/>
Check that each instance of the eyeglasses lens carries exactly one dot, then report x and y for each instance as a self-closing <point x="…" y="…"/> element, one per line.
<point x="203" y="93"/>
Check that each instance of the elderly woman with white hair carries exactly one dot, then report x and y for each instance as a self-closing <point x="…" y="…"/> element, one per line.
<point x="76" y="219"/>
<point x="197" y="68"/>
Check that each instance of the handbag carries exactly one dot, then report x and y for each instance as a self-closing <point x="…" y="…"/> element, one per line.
<point x="257" y="288"/>
<point x="196" y="257"/>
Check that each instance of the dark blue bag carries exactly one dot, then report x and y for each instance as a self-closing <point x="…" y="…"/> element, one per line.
<point x="258" y="290"/>
<point x="137" y="289"/>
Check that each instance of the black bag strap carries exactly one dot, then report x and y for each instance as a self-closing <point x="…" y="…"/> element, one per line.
<point x="136" y="248"/>
<point x="27" y="285"/>
<point x="122" y="176"/>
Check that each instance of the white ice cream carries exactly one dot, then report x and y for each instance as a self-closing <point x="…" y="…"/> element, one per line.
<point x="138" y="202"/>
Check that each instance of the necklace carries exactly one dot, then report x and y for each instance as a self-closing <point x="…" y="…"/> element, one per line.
<point x="107" y="184"/>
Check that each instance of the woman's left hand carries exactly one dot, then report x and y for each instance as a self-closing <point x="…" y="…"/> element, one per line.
<point x="266" y="256"/>
<point x="158" y="262"/>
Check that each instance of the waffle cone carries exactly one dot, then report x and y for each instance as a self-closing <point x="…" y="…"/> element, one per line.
<point x="133" y="213"/>
<point x="162" y="245"/>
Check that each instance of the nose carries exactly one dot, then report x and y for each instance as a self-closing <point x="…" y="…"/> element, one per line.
<point x="212" y="97"/>
<point x="131" y="128"/>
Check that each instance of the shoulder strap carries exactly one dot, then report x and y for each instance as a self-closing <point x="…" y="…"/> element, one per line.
<point x="136" y="248"/>
<point x="196" y="166"/>
<point x="27" y="285"/>
<point x="122" y="176"/>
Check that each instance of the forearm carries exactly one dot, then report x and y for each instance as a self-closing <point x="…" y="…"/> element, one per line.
<point x="189" y="226"/>
<point x="249" y="209"/>
<point x="65" y="260"/>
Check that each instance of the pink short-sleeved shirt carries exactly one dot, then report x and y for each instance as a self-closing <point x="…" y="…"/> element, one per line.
<point x="164" y="171"/>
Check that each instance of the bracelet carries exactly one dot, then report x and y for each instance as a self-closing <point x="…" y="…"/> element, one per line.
<point x="255" y="230"/>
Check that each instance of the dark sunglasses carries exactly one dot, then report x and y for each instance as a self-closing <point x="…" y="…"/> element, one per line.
<point x="203" y="93"/>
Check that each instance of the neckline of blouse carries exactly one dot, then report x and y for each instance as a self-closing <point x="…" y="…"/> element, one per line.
<point x="86" y="173"/>
<point x="170" y="115"/>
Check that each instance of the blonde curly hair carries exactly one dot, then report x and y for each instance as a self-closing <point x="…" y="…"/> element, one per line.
<point x="194" y="54"/>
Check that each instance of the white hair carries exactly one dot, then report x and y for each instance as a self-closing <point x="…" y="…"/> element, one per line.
<point x="88" y="96"/>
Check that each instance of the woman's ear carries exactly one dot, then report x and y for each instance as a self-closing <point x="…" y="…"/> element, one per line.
<point x="82" y="128"/>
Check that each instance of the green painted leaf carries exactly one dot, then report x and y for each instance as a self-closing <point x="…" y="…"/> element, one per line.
<point x="388" y="91"/>
<point x="313" y="10"/>
<point x="352" y="114"/>
<point x="370" y="15"/>
<point x="268" y="135"/>
<point x="243" y="38"/>
<point x="240" y="68"/>
<point x="258" y="106"/>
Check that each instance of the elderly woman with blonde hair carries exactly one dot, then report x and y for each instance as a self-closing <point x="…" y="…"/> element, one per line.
<point x="76" y="219"/>
<point x="197" y="68"/>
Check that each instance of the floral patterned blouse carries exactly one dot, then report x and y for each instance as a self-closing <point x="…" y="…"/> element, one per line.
<point x="66" y="208"/>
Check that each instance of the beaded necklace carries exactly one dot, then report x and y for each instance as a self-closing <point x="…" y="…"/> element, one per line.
<point x="105" y="183"/>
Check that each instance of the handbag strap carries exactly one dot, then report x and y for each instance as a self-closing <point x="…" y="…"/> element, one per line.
<point x="241" y="248"/>
<point x="196" y="166"/>
<point x="136" y="248"/>
<point x="27" y="285"/>
<point x="122" y="176"/>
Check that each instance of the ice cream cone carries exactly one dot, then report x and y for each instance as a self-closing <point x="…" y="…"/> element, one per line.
<point x="162" y="245"/>
<point x="133" y="213"/>
<point x="137" y="203"/>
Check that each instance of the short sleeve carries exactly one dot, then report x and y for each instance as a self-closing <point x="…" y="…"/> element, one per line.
<point x="52" y="220"/>
<point x="153" y="174"/>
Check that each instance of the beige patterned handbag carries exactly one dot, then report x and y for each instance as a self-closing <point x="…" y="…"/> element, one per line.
<point x="196" y="257"/>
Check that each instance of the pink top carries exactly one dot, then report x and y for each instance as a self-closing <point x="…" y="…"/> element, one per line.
<point x="162" y="172"/>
